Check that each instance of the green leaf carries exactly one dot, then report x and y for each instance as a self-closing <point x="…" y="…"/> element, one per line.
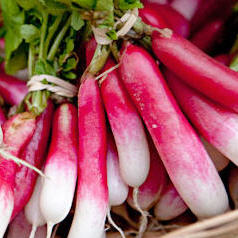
<point x="70" y="64"/>
<point x="17" y="61"/>
<point x="129" y="4"/>
<point x="30" y="33"/>
<point x="69" y="75"/>
<point x="27" y="4"/>
<point x="44" y="67"/>
<point x="76" y="21"/>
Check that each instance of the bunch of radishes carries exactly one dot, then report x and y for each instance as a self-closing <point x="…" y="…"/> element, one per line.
<point x="154" y="123"/>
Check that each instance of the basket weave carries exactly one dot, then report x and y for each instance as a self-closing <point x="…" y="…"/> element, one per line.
<point x="222" y="226"/>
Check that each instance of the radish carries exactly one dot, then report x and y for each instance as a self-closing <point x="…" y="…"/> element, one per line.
<point x="34" y="153"/>
<point x="197" y="69"/>
<point x="12" y="89"/>
<point x="170" y="204"/>
<point x="185" y="159"/>
<point x="208" y="35"/>
<point x="127" y="129"/>
<point x="155" y="1"/>
<point x="174" y="19"/>
<point x="187" y="8"/>
<point x="20" y="227"/>
<point x="57" y="191"/>
<point x="92" y="192"/>
<point x="150" y="191"/>
<point x="233" y="185"/>
<point x="216" y="124"/>
<point x="17" y="131"/>
<point x="117" y="188"/>
<point x="32" y="209"/>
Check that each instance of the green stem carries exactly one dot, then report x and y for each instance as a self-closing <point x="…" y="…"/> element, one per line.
<point x="99" y="59"/>
<point x="235" y="46"/>
<point x="234" y="64"/>
<point x="58" y="40"/>
<point x="52" y="30"/>
<point x="43" y="34"/>
<point x="31" y="60"/>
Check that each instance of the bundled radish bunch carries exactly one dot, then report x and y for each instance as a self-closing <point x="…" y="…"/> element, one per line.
<point x="126" y="119"/>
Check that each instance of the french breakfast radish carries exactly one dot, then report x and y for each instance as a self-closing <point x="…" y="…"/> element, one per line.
<point x="12" y="89"/>
<point x="150" y="191"/>
<point x="32" y="209"/>
<point x="170" y="204"/>
<point x="58" y="188"/>
<point x="92" y="192"/>
<point x="197" y="69"/>
<point x="2" y="116"/>
<point x="34" y="153"/>
<point x="17" y="131"/>
<point x="216" y="124"/>
<point x="117" y="188"/>
<point x="185" y="159"/>
<point x="223" y="58"/>
<point x="127" y="129"/>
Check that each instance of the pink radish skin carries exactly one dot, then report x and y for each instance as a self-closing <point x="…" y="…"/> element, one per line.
<point x="117" y="188"/>
<point x="216" y="124"/>
<point x="57" y="192"/>
<point x="150" y="16"/>
<point x="173" y="19"/>
<point x="170" y="205"/>
<point x="127" y="129"/>
<point x="233" y="185"/>
<point x="34" y="153"/>
<point x="20" y="228"/>
<point x="32" y="209"/>
<point x="150" y="191"/>
<point x="187" y="8"/>
<point x="12" y="89"/>
<point x="186" y="161"/>
<point x="197" y="69"/>
<point x="219" y="160"/>
<point x="208" y="35"/>
<point x="92" y="193"/>
<point x="17" y="131"/>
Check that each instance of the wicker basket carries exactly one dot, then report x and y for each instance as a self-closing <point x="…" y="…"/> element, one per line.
<point x="223" y="226"/>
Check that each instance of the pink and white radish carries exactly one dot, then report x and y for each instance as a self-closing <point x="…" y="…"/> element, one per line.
<point x="170" y="204"/>
<point x="17" y="131"/>
<point x="32" y="209"/>
<point x="92" y="192"/>
<point x="127" y="129"/>
<point x="117" y="188"/>
<point x="20" y="227"/>
<point x="150" y="191"/>
<point x="218" y="125"/>
<point x="185" y="159"/>
<point x="58" y="188"/>
<point x="34" y="153"/>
